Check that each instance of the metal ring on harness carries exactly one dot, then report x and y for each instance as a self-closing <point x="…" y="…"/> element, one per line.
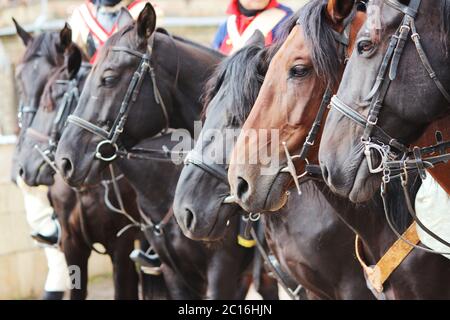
<point x="99" y="155"/>
<point x="157" y="230"/>
<point x="254" y="216"/>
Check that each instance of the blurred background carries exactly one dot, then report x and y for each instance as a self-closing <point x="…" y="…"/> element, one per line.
<point x="22" y="265"/>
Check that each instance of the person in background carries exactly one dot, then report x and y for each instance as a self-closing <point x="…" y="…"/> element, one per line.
<point x="94" y="21"/>
<point x="246" y="16"/>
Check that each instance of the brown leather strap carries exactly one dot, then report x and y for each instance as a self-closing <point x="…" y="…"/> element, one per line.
<point x="390" y="261"/>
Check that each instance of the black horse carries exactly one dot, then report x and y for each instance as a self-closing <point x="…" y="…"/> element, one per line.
<point x="193" y="270"/>
<point x="44" y="54"/>
<point x="307" y="236"/>
<point x="79" y="212"/>
<point x="164" y="92"/>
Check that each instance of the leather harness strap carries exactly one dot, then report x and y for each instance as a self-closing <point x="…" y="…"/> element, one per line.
<point x="390" y="261"/>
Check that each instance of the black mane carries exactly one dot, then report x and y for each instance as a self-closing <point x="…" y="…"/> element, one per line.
<point x="247" y="68"/>
<point x="161" y="31"/>
<point x="244" y="72"/>
<point x="445" y="23"/>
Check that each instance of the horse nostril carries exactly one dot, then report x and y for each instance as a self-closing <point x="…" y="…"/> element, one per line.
<point x="189" y="219"/>
<point x="66" y="167"/>
<point x="325" y="173"/>
<point x="242" y="187"/>
<point x="21" y="172"/>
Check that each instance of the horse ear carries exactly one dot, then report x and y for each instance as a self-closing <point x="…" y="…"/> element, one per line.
<point x="146" y="22"/>
<point x="65" y="37"/>
<point x="257" y="39"/>
<point x="124" y="19"/>
<point x="338" y="10"/>
<point x="25" y="36"/>
<point x="74" y="61"/>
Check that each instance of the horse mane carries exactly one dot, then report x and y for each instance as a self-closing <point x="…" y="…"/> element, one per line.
<point x="445" y="24"/>
<point x="164" y="32"/>
<point x="246" y="63"/>
<point x="318" y="33"/>
<point x="318" y="30"/>
<point x="45" y="44"/>
<point x="244" y="72"/>
<point x="398" y="209"/>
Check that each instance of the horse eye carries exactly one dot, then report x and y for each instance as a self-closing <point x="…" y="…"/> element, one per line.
<point x="365" y="47"/>
<point x="109" y="81"/>
<point x="299" y="71"/>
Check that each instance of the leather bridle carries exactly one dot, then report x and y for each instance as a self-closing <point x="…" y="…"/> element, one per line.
<point x="397" y="159"/>
<point x="313" y="171"/>
<point x="68" y="102"/>
<point x="393" y="153"/>
<point x="25" y="109"/>
<point x="217" y="171"/>
<point x="110" y="137"/>
<point x="220" y="173"/>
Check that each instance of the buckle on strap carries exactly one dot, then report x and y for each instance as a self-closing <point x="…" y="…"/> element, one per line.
<point x="372" y="120"/>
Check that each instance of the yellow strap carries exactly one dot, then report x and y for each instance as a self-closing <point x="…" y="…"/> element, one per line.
<point x="398" y="252"/>
<point x="246" y="243"/>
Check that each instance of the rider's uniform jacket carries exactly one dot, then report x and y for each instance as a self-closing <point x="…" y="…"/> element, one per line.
<point x="93" y="24"/>
<point x="234" y="33"/>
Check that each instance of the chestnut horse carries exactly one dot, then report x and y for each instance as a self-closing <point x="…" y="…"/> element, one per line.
<point x="297" y="77"/>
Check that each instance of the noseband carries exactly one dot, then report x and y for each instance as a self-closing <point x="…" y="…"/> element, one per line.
<point x="110" y="137"/>
<point x="393" y="153"/>
<point x="215" y="170"/>
<point x="396" y="157"/>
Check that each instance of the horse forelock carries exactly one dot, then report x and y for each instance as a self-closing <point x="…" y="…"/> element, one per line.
<point x="318" y="33"/>
<point x="445" y="24"/>
<point x="243" y="73"/>
<point x="319" y="36"/>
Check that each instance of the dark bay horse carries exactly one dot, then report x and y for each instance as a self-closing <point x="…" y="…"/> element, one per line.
<point x="307" y="236"/>
<point x="166" y="94"/>
<point x="80" y="216"/>
<point x="163" y="93"/>
<point x="420" y="275"/>
<point x="192" y="269"/>
<point x="411" y="90"/>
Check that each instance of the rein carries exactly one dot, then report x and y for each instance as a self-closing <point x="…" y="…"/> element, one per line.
<point x="393" y="164"/>
<point x="110" y="137"/>
<point x="148" y="227"/>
